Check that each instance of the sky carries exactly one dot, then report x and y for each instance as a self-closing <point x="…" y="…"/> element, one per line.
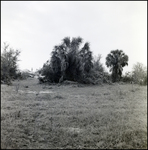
<point x="35" y="27"/>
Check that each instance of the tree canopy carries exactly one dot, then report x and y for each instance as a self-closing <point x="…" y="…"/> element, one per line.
<point x="116" y="60"/>
<point x="69" y="61"/>
<point x="139" y="73"/>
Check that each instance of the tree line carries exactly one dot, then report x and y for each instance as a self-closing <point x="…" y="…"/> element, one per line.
<point x="72" y="60"/>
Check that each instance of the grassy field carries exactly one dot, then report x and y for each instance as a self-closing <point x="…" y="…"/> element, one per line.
<point x="73" y="116"/>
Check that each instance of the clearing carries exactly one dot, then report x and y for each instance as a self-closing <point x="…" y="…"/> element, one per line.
<point x="36" y="116"/>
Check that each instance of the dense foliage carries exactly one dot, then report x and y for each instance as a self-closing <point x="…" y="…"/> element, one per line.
<point x="71" y="62"/>
<point x="128" y="77"/>
<point x="140" y="73"/>
<point x="116" y="60"/>
<point x="9" y="67"/>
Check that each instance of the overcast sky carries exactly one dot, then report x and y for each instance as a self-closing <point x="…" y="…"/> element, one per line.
<point x="35" y="27"/>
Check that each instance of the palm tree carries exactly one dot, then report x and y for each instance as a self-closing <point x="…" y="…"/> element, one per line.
<point x="87" y="58"/>
<point x="116" y="60"/>
<point x="69" y="61"/>
<point x="73" y="68"/>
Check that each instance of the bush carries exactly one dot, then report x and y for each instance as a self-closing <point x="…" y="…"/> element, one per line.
<point x="24" y="75"/>
<point x="42" y="80"/>
<point x="127" y="77"/>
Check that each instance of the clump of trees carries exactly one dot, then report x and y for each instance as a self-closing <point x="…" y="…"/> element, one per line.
<point x="139" y="73"/>
<point x="9" y="66"/>
<point x="71" y="62"/>
<point x="116" y="60"/>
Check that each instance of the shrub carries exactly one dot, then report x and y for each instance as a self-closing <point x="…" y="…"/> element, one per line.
<point x="42" y="79"/>
<point x="127" y="77"/>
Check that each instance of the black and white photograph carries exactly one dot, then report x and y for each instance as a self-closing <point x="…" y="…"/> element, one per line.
<point x="73" y="74"/>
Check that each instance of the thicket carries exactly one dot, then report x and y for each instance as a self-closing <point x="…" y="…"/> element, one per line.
<point x="71" y="62"/>
<point x="128" y="77"/>
<point x="138" y="75"/>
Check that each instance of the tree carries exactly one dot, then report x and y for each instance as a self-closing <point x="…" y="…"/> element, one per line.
<point x="139" y="73"/>
<point x="116" y="60"/>
<point x="97" y="65"/>
<point x="87" y="58"/>
<point x="9" y="66"/>
<point x="69" y="61"/>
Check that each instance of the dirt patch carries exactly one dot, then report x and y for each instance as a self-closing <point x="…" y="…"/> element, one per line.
<point x="74" y="130"/>
<point x="35" y="92"/>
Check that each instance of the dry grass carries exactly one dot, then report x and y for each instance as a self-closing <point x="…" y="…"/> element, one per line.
<point x="105" y="117"/>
